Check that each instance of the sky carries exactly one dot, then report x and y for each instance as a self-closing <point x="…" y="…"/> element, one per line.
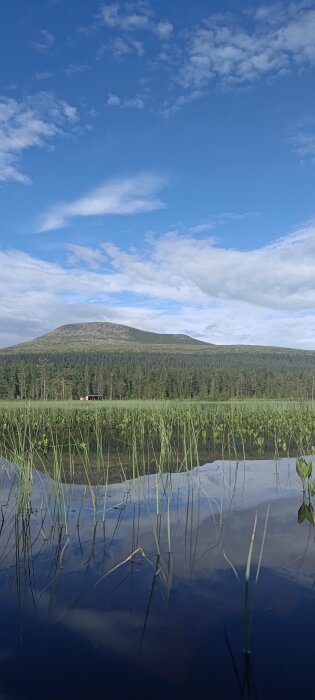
<point x="157" y="168"/>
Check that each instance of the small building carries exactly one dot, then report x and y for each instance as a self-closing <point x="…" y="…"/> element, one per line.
<point x="92" y="397"/>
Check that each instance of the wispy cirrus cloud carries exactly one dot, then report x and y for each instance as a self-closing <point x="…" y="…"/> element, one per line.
<point x="44" y="42"/>
<point x="32" y="123"/>
<point x="117" y="197"/>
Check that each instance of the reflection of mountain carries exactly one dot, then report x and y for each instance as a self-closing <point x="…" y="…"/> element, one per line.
<point x="196" y="499"/>
<point x="120" y="468"/>
<point x="175" y="608"/>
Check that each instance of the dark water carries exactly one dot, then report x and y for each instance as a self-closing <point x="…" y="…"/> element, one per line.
<point x="79" y="619"/>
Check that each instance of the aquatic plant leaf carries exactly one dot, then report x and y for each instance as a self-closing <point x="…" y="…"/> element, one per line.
<point x="43" y="445"/>
<point x="302" y="513"/>
<point x="311" y="488"/>
<point x="309" y="470"/>
<point x="304" y="468"/>
<point x="310" y="514"/>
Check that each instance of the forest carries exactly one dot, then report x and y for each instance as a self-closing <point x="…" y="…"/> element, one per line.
<point x="129" y="375"/>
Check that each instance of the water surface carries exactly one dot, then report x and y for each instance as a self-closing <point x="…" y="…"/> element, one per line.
<point x="139" y="587"/>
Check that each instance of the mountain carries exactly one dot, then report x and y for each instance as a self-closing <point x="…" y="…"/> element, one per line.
<point x="102" y="337"/>
<point x="114" y="337"/>
<point x="121" y="362"/>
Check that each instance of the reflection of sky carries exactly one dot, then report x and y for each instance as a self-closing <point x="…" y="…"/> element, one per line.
<point x="198" y="503"/>
<point x="62" y="570"/>
<point x="232" y="493"/>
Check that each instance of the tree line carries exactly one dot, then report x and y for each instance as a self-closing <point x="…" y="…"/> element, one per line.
<point x="146" y="375"/>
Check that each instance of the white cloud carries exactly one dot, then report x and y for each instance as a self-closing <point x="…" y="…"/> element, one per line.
<point x="170" y="107"/>
<point x="69" y="112"/>
<point x="274" y="43"/>
<point x="122" y="196"/>
<point x="278" y="12"/>
<point x="43" y="75"/>
<point x="44" y="43"/>
<point x="34" y="122"/>
<point x="113" y="100"/>
<point x="302" y="140"/>
<point x="232" y="49"/>
<point x="164" y="29"/>
<point x="186" y="269"/>
<point x="217" y="220"/>
<point x="113" y="16"/>
<point x="176" y="283"/>
<point x="136" y="102"/>
<point x="75" y="68"/>
<point x="121" y="47"/>
<point x="84" y="254"/>
<point x="131" y="17"/>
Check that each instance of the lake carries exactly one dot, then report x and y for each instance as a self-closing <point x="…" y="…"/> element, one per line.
<point x="198" y="584"/>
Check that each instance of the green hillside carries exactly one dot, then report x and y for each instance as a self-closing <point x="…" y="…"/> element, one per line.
<point x="121" y="362"/>
<point x="102" y="337"/>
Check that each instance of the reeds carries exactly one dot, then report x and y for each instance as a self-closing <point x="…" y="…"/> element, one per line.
<point x="161" y="429"/>
<point x="93" y="444"/>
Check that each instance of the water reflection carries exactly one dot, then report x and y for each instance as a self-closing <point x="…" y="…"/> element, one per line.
<point x="195" y="584"/>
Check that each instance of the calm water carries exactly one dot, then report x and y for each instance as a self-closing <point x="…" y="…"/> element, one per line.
<point x="81" y="619"/>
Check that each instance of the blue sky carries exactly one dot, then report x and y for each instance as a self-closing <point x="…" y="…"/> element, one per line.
<point x="157" y="166"/>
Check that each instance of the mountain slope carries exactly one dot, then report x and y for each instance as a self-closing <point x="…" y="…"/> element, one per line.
<point x="103" y="336"/>
<point x="112" y="337"/>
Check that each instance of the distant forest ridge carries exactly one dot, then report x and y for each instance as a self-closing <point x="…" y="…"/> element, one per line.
<point x="120" y="362"/>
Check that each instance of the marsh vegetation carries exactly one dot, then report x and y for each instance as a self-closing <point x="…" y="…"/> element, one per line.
<point x="168" y="431"/>
<point x="173" y="540"/>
